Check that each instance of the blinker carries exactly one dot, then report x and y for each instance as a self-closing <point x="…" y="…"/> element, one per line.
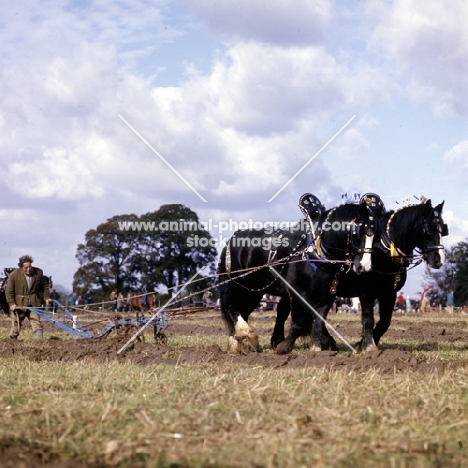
<point x="445" y="231"/>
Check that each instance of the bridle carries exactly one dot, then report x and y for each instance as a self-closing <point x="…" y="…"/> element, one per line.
<point x="397" y="253"/>
<point x="442" y="228"/>
<point x="356" y="230"/>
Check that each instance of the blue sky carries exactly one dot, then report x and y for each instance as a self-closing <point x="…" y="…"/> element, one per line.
<point x="237" y="96"/>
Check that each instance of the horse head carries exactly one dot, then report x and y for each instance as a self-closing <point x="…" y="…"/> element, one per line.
<point x="347" y="234"/>
<point x="362" y="231"/>
<point x="433" y="229"/>
<point x="418" y="227"/>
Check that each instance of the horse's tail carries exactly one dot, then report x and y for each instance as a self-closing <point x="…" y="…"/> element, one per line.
<point x="224" y="287"/>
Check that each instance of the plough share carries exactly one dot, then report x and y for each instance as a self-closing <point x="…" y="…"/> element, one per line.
<point x="62" y="318"/>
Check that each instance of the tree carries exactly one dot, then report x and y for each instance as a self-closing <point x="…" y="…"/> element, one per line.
<point x="452" y="276"/>
<point x="179" y="248"/>
<point x="129" y="253"/>
<point x="107" y="258"/>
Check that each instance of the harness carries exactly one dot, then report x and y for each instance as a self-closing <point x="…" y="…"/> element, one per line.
<point x="323" y="252"/>
<point x="397" y="255"/>
<point x="316" y="252"/>
<point x="283" y="262"/>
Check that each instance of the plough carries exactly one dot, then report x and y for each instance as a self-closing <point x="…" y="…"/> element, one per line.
<point x="62" y="318"/>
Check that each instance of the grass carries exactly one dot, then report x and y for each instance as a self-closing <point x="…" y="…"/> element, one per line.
<point x="238" y="416"/>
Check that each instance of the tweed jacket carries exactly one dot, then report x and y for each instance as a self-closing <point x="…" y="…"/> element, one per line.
<point x="17" y="292"/>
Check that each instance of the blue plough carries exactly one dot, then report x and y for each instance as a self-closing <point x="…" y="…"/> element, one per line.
<point x="62" y="318"/>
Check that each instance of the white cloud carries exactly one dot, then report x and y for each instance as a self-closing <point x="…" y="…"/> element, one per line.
<point x="237" y="125"/>
<point x="457" y="158"/>
<point x="271" y="21"/>
<point x="427" y="40"/>
<point x="458" y="228"/>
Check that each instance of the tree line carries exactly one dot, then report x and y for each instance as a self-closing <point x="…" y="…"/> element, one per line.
<point x="130" y="253"/>
<point x="453" y="276"/>
<point x="115" y="258"/>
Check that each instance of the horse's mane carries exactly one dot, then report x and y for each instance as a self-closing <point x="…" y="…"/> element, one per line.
<point x="346" y="212"/>
<point x="400" y="220"/>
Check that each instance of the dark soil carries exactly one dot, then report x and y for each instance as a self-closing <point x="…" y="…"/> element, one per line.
<point x="422" y="334"/>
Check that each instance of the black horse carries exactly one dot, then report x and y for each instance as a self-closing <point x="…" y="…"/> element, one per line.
<point x="415" y="227"/>
<point x="338" y="240"/>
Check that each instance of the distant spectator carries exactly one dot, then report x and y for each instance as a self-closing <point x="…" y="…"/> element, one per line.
<point x="120" y="299"/>
<point x="425" y="305"/>
<point x="450" y="302"/>
<point x="55" y="296"/>
<point x="178" y="303"/>
<point x="408" y="305"/>
<point x="356" y="305"/>
<point x="400" y="302"/>
<point x="207" y="298"/>
<point x="144" y="300"/>
<point x="113" y="299"/>
<point x="87" y="299"/>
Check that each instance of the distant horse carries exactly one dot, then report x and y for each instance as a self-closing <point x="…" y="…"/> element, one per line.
<point x="414" y="227"/>
<point x="140" y="302"/>
<point x="244" y="273"/>
<point x="3" y="302"/>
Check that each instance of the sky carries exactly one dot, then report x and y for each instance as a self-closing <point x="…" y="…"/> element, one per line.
<point x="118" y="107"/>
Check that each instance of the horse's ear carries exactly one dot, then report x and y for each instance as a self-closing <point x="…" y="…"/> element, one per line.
<point x="439" y="207"/>
<point x="363" y="209"/>
<point x="427" y="206"/>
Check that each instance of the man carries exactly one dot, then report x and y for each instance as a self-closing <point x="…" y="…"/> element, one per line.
<point x="400" y="302"/>
<point x="55" y="296"/>
<point x="207" y="298"/>
<point x="87" y="299"/>
<point x="26" y="287"/>
<point x="450" y="302"/>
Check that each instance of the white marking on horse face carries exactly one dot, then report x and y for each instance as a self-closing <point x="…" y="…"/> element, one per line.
<point x="366" y="261"/>
<point x="442" y="254"/>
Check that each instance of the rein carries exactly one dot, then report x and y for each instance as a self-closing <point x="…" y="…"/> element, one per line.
<point x="395" y="252"/>
<point x="323" y="251"/>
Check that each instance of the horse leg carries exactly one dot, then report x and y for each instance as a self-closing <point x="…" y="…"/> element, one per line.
<point x="319" y="341"/>
<point x="386" y="312"/>
<point x="367" y="319"/>
<point x="327" y="342"/>
<point x="286" y="346"/>
<point x="282" y="313"/>
<point x="301" y="325"/>
<point x="235" y="313"/>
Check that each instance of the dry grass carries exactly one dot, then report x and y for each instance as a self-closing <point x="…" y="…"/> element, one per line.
<point x="236" y="416"/>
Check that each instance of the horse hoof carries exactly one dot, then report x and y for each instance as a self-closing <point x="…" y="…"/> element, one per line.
<point x="328" y="344"/>
<point x="233" y="346"/>
<point x="254" y="342"/>
<point x="371" y="347"/>
<point x="331" y="347"/>
<point x="248" y="344"/>
<point x="275" y="342"/>
<point x="315" y="348"/>
<point x="283" y="348"/>
<point x="358" y="346"/>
